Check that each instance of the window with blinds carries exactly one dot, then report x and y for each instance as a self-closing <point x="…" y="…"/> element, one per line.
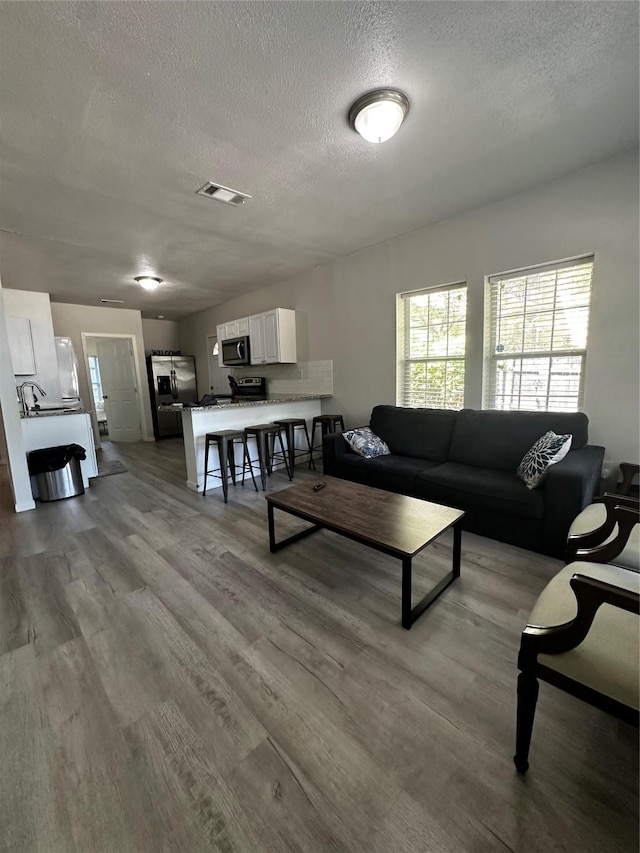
<point x="536" y="333"/>
<point x="431" y="347"/>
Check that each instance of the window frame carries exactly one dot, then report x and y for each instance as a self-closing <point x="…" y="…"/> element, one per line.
<point x="404" y="359"/>
<point x="492" y="357"/>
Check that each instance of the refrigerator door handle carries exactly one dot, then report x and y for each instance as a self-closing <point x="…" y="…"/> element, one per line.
<point x="174" y="385"/>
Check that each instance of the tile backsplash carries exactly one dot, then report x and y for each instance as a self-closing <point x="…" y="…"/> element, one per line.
<point x="305" y="377"/>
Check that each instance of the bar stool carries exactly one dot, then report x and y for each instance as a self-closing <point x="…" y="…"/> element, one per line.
<point x="225" y="439"/>
<point x="290" y="425"/>
<point x="327" y="424"/>
<point x="265" y="435"/>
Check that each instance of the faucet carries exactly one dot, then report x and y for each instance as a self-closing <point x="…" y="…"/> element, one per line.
<point x="22" y="398"/>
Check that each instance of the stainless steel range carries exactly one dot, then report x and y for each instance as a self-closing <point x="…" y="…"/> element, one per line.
<point x="250" y="388"/>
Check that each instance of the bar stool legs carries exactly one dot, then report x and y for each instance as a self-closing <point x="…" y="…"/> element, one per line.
<point x="224" y="441"/>
<point x="290" y="425"/>
<point x="327" y="424"/>
<point x="265" y="436"/>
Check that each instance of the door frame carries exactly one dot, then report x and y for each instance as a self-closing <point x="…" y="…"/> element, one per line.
<point x="85" y="336"/>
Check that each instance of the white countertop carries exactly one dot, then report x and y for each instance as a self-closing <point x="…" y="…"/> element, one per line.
<point x="53" y="413"/>
<point x="270" y="399"/>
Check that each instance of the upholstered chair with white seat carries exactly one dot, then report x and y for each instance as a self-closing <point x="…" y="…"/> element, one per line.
<point x="583" y="636"/>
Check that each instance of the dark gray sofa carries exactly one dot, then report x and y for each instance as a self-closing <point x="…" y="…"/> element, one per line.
<point x="468" y="459"/>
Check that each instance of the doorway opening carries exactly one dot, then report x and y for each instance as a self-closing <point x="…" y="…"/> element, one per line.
<point x="114" y="385"/>
<point x="95" y="383"/>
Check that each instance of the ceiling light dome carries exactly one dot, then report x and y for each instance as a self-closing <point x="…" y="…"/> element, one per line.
<point x="149" y="282"/>
<point x="377" y="115"/>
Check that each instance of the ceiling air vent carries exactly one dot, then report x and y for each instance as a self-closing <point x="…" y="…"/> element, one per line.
<point x="112" y="302"/>
<point x="223" y="194"/>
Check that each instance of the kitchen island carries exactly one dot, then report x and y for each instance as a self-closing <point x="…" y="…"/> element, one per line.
<point x="197" y="421"/>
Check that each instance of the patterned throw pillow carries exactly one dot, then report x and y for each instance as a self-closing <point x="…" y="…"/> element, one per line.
<point x="365" y="442"/>
<point x="548" y="450"/>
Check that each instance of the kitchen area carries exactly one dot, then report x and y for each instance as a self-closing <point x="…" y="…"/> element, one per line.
<point x="62" y="395"/>
<point x="263" y="344"/>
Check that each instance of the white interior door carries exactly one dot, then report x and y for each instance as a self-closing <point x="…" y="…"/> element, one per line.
<point x="119" y="389"/>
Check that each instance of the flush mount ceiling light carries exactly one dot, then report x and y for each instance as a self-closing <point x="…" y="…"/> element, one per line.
<point x="377" y="115"/>
<point x="149" y="282"/>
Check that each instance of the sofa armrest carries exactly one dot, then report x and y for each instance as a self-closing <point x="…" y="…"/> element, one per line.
<point x="570" y="487"/>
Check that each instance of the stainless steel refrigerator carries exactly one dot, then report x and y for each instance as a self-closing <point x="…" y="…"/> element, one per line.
<point x="172" y="379"/>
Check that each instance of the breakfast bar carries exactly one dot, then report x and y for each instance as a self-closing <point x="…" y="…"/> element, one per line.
<point x="197" y="421"/>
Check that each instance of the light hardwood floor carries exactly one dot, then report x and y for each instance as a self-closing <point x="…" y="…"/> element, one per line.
<point x="166" y="684"/>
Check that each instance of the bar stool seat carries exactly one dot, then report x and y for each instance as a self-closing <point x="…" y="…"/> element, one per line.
<point x="327" y="424"/>
<point x="290" y="425"/>
<point x="224" y="440"/>
<point x="265" y="436"/>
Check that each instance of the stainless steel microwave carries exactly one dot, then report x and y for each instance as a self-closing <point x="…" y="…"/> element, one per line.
<point x="235" y="351"/>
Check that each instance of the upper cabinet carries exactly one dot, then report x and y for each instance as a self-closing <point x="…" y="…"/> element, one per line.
<point x="21" y="346"/>
<point x="233" y="329"/>
<point x="272" y="337"/>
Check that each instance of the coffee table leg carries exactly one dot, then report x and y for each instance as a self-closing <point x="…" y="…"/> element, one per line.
<point x="457" y="548"/>
<point x="272" y="529"/>
<point x="406" y="593"/>
<point x="276" y="546"/>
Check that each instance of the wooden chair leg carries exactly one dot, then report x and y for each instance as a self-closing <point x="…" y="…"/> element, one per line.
<point x="527" y="699"/>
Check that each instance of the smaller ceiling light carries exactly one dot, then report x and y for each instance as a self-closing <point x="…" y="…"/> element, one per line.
<point x="149" y="282"/>
<point x="377" y="116"/>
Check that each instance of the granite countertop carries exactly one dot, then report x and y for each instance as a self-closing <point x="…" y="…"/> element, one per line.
<point x="53" y="413"/>
<point x="274" y="398"/>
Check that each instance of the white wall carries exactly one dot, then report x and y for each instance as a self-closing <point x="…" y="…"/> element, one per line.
<point x="72" y="320"/>
<point x="36" y="306"/>
<point x="346" y="309"/>
<point x="160" y="334"/>
<point x="13" y="442"/>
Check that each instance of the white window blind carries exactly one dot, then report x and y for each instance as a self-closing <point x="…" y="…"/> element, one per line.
<point x="431" y="347"/>
<point x="536" y="329"/>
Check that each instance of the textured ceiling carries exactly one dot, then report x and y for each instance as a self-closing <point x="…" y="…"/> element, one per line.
<point x="114" y="114"/>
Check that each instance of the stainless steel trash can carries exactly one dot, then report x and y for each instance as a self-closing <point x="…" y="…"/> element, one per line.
<point x="56" y="471"/>
<point x="64" y="483"/>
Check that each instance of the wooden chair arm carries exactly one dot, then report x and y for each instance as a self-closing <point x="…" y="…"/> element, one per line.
<point x="596" y="537"/>
<point x="590" y="594"/>
<point x="626" y="519"/>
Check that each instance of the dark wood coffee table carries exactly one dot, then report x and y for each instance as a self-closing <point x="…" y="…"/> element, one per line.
<point x="394" y="524"/>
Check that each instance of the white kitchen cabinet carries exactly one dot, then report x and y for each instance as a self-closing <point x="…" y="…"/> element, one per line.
<point x="21" y="346"/>
<point x="256" y="339"/>
<point x="232" y="329"/>
<point x="273" y="337"/>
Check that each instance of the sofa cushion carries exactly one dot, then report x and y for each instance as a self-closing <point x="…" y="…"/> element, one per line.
<point x="393" y="473"/>
<point x="496" y="439"/>
<point x="483" y="489"/>
<point x="421" y="433"/>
